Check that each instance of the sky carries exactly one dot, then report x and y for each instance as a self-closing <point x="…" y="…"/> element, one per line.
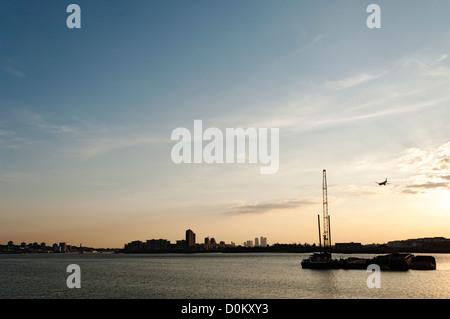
<point x="86" y="117"/>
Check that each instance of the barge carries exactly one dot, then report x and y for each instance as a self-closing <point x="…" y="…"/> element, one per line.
<point x="393" y="262"/>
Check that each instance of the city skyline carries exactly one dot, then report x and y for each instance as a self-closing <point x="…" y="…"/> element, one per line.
<point x="86" y="117"/>
<point x="210" y="242"/>
<point x="426" y="244"/>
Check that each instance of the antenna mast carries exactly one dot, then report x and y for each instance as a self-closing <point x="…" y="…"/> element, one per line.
<point x="320" y="237"/>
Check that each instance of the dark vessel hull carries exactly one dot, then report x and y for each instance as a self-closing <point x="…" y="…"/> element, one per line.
<point x="392" y="262"/>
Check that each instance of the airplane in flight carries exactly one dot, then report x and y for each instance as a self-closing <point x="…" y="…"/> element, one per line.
<point x="383" y="183"/>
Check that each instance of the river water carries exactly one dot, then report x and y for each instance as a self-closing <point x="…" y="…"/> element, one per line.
<point x="209" y="275"/>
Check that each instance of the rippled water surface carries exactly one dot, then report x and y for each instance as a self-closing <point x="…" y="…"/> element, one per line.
<point x="180" y="276"/>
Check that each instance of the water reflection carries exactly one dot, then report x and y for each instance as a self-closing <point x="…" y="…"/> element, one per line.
<point x="208" y="276"/>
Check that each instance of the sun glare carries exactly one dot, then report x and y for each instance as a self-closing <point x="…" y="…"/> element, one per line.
<point x="442" y="200"/>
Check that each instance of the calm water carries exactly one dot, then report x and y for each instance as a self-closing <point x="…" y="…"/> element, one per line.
<point x="177" y="276"/>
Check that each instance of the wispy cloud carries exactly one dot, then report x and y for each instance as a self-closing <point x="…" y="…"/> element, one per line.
<point x="352" y="81"/>
<point x="427" y="161"/>
<point x="356" y="190"/>
<point x="36" y="121"/>
<point x="391" y="111"/>
<point x="264" y="207"/>
<point x="415" y="157"/>
<point x="14" y="72"/>
<point x="6" y="133"/>
<point x="431" y="169"/>
<point x="407" y="86"/>
<point x="82" y="140"/>
<point x="427" y="66"/>
<point x="417" y="188"/>
<point x="310" y="42"/>
<point x="28" y="127"/>
<point x="442" y="57"/>
<point x="94" y="146"/>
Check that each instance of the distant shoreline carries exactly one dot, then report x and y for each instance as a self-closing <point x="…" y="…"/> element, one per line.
<point x="272" y="250"/>
<point x="230" y="251"/>
<point x="422" y="245"/>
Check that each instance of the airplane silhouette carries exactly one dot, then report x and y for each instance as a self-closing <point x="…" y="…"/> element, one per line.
<point x="384" y="183"/>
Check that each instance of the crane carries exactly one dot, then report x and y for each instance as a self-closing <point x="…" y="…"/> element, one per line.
<point x="326" y="218"/>
<point x="323" y="259"/>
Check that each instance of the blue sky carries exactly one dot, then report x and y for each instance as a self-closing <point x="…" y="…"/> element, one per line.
<point x="86" y="117"/>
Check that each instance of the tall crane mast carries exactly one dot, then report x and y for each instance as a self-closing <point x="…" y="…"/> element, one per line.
<point x="326" y="217"/>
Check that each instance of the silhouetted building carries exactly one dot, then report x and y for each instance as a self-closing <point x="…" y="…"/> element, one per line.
<point x="157" y="244"/>
<point x="63" y="247"/>
<point x="347" y="246"/>
<point x="427" y="242"/>
<point x="263" y="241"/>
<point x="134" y="246"/>
<point x="180" y="244"/>
<point x="56" y="248"/>
<point x="11" y="247"/>
<point x="190" y="239"/>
